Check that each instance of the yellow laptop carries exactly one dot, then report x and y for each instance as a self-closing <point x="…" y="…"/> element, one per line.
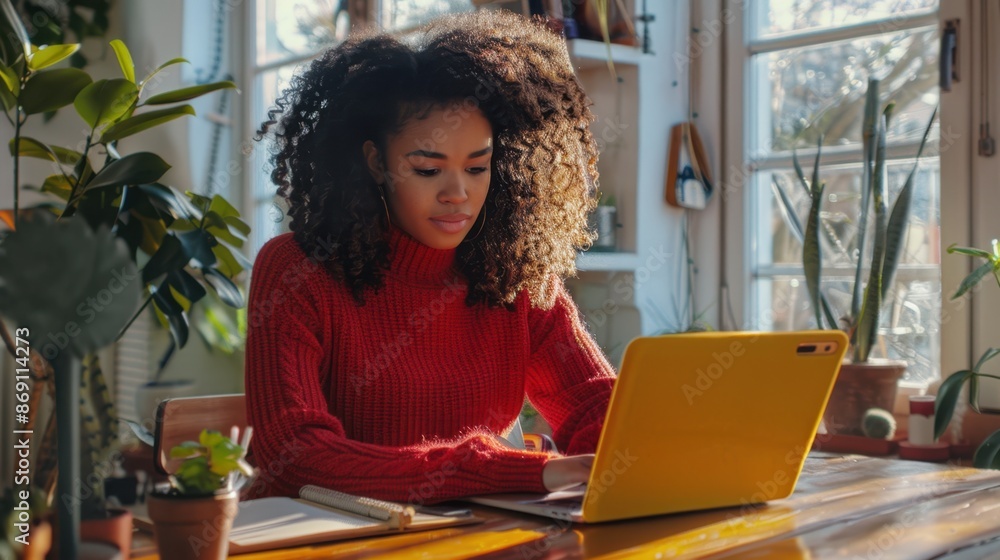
<point x="699" y="421"/>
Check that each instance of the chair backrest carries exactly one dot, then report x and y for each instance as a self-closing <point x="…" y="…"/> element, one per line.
<point x="182" y="419"/>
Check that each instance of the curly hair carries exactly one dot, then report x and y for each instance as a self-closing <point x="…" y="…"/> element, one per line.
<point x="544" y="167"/>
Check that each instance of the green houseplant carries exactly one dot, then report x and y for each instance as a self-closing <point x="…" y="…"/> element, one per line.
<point x="987" y="456"/>
<point x="181" y="246"/>
<point x="863" y="383"/>
<point x="201" y="494"/>
<point x="38" y="296"/>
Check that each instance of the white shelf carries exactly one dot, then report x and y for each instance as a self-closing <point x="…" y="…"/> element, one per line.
<point x="587" y="54"/>
<point x="597" y="260"/>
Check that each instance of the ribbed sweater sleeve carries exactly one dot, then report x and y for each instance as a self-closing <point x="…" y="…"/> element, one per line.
<point x="569" y="379"/>
<point x="298" y="441"/>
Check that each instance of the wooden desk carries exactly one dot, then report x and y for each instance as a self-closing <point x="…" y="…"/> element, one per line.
<point x="844" y="507"/>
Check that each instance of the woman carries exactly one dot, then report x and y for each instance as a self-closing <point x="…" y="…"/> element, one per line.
<point x="438" y="190"/>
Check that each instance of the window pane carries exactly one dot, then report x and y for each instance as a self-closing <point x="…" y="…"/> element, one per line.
<point x="794" y="95"/>
<point x="268" y="86"/>
<point x="778" y="17"/>
<point x="800" y="93"/>
<point x="909" y="326"/>
<point x="402" y="14"/>
<point x="841" y="206"/>
<point x="298" y="27"/>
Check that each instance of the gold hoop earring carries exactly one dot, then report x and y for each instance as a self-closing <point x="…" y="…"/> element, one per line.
<point x="481" y="224"/>
<point x="381" y="195"/>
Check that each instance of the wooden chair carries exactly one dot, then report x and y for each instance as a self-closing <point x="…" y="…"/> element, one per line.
<point x="182" y="419"/>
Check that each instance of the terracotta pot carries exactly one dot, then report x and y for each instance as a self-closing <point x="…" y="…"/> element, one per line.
<point x="115" y="529"/>
<point x="195" y="528"/>
<point x="859" y="387"/>
<point x="968" y="427"/>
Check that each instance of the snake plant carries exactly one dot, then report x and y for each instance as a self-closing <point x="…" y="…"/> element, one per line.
<point x="861" y="321"/>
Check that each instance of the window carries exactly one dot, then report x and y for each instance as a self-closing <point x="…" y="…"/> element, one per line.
<point x="287" y="35"/>
<point x="806" y="70"/>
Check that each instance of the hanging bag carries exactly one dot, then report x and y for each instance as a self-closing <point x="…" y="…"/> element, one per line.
<point x="691" y="186"/>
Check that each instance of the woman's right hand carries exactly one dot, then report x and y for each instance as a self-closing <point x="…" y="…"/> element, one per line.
<point x="564" y="472"/>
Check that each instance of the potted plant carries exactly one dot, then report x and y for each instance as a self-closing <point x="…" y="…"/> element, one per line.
<point x="187" y="245"/>
<point x="864" y="383"/>
<point x="46" y="268"/>
<point x="604" y="221"/>
<point x="193" y="518"/>
<point x="987" y="456"/>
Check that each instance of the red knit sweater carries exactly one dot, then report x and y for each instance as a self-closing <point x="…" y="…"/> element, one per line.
<point x="396" y="399"/>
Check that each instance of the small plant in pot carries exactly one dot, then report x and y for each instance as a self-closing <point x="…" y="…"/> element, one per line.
<point x="193" y="518"/>
<point x="864" y="382"/>
<point x="987" y="455"/>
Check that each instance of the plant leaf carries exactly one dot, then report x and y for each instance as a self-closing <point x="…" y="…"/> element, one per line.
<point x="238" y="224"/>
<point x="972" y="279"/>
<point x="33" y="148"/>
<point x="228" y="292"/>
<point x="177" y="319"/>
<point x="947" y="397"/>
<point x="186" y="285"/>
<point x="787" y="210"/>
<point x="869" y="134"/>
<point x="198" y="244"/>
<point x="14" y="39"/>
<point x="175" y="200"/>
<point x="170" y="62"/>
<point x="187" y="93"/>
<point x="812" y="259"/>
<point x="988" y="454"/>
<point x="222" y="207"/>
<point x="225" y="261"/>
<point x="868" y="319"/>
<point x="974" y="392"/>
<point x="52" y="54"/>
<point x="10" y="79"/>
<point x="53" y="89"/>
<point x="140" y="431"/>
<point x="899" y="221"/>
<point x="987" y="356"/>
<point x="970" y="251"/>
<point x="104" y="101"/>
<point x="7" y="99"/>
<point x="57" y="185"/>
<point x="828" y="311"/>
<point x="138" y="123"/>
<point x="133" y="169"/>
<point x="816" y="187"/>
<point x="170" y="256"/>
<point x="798" y="173"/>
<point x="124" y="59"/>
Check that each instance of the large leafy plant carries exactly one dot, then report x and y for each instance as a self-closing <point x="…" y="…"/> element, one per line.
<point x="987" y="456"/>
<point x="182" y="247"/>
<point x="889" y="229"/>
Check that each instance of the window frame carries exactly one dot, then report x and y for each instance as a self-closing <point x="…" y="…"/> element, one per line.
<point x="736" y="266"/>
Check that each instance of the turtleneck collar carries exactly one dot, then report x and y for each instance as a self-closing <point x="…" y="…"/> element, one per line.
<point x="415" y="262"/>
